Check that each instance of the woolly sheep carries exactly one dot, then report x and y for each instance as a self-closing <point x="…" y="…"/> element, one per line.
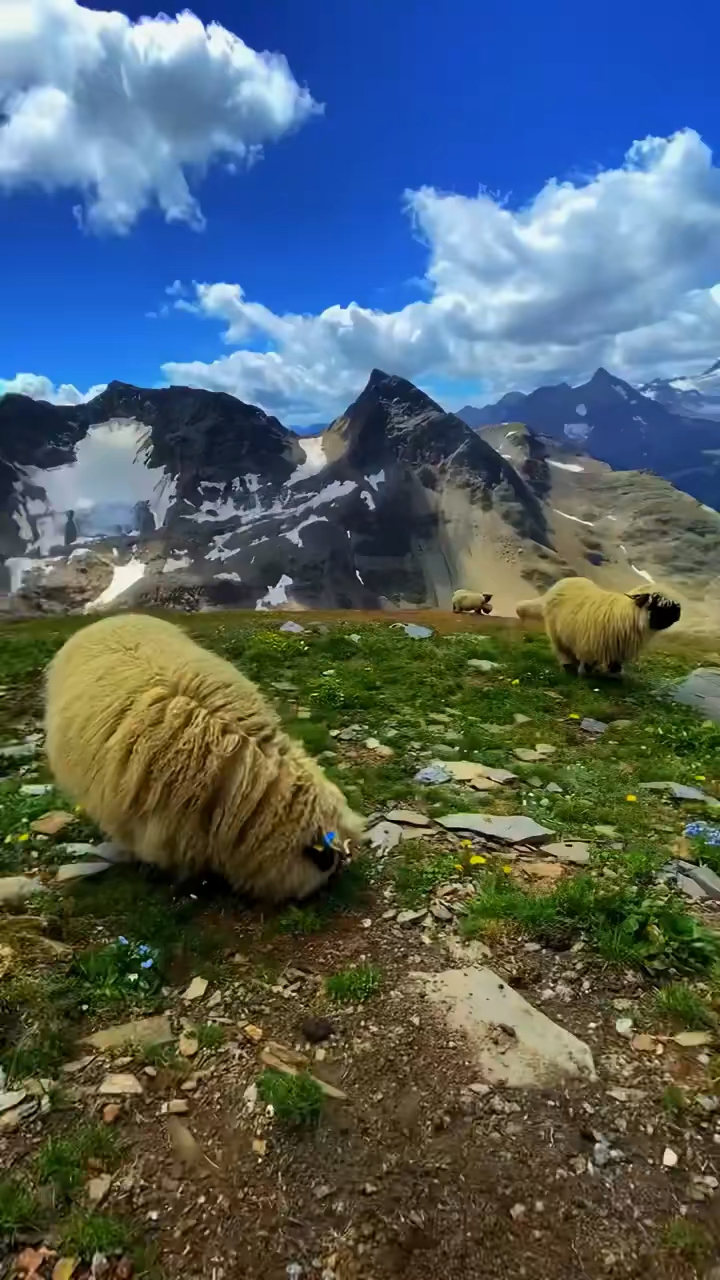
<point x="471" y="602"/>
<point x="589" y="627"/>
<point x="530" y="610"/>
<point x="180" y="760"/>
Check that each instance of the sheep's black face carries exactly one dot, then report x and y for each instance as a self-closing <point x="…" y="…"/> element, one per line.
<point x="325" y="857"/>
<point x="662" y="612"/>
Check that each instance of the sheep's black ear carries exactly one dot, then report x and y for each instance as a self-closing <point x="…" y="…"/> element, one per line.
<point x="642" y="600"/>
<point x="488" y="598"/>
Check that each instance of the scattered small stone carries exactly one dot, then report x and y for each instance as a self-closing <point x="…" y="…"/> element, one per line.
<point x="519" y="718"/>
<point x="483" y="664"/>
<point x="417" y="632"/>
<point x="627" y="1095"/>
<point x="554" y="789"/>
<point x="178" y="1107"/>
<point x="36" y="788"/>
<point x="251" y="1032"/>
<point x="111" y="1112"/>
<point x="408" y="817"/>
<point x="440" y="912"/>
<point x="518" y="1211"/>
<point x="188" y="1045"/>
<point x="316" y="1030"/>
<point x="121" y="1083"/>
<point x="694" y="1039"/>
<point x="433" y="775"/>
<point x="196" y="990"/>
<point x="644" y="1043"/>
<point x="322" y="1192"/>
<point x="98" y="1188"/>
<point x="670" y="1158"/>
<point x="409" y="916"/>
<point x="186" y="1147"/>
<point x="370" y="1189"/>
<point x="259" y="1146"/>
<point x="605" y="830"/>
<point x="293" y="627"/>
<point x="52" y="823"/>
<point x="624" y="1026"/>
<point x="593" y="726"/>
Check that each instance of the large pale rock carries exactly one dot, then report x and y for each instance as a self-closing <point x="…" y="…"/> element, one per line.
<point x="70" y="871"/>
<point x="516" y="829"/>
<point x="15" y="889"/>
<point x="142" y="1031"/>
<point x="513" y="1043"/>
<point x="701" y="690"/>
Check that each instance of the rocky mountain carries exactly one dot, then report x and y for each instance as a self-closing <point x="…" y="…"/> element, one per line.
<point x="623" y="426"/>
<point x="188" y="498"/>
<point x="697" y="397"/>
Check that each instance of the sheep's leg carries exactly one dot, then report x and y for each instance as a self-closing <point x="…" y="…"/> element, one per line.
<point x="567" y="660"/>
<point x="586" y="669"/>
<point x="615" y="669"/>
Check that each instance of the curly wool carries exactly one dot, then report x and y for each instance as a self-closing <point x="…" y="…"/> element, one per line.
<point x="530" y="610"/>
<point x="590" y="626"/>
<point x="178" y="757"/>
<point x="471" y="602"/>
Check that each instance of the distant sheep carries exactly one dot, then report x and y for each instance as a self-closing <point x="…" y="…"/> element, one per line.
<point x="471" y="602"/>
<point x="530" y="610"/>
<point x="179" y="759"/>
<point x="589" y="627"/>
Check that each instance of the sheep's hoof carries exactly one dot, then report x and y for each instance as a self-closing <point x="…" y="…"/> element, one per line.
<point x="571" y="668"/>
<point x="615" y="669"/>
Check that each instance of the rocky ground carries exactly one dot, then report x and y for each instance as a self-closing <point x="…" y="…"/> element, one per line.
<point x="490" y="1049"/>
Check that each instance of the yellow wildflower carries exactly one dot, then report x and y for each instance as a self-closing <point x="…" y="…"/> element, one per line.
<point x="699" y="777"/>
<point x="507" y="870"/>
<point x="459" y="866"/>
<point x="514" y="681"/>
<point x="23" y="835"/>
<point x="573" y="716"/>
<point x="466" y="844"/>
<point x="631" y="798"/>
<point x="477" y="860"/>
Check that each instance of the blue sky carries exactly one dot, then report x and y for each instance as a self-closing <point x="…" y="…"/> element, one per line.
<point x="468" y="297"/>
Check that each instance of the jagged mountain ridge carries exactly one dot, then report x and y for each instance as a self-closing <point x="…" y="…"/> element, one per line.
<point x="193" y="499"/>
<point x="620" y="425"/>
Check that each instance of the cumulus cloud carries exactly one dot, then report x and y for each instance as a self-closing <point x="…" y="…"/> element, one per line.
<point x="621" y="268"/>
<point x="38" y="387"/>
<point x="124" y="111"/>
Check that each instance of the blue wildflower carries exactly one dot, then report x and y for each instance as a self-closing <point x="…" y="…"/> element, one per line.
<point x="124" y="941"/>
<point x="146" y="964"/>
<point x="143" y="948"/>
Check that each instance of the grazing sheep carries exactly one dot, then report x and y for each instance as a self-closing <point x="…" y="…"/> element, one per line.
<point x="530" y="610"/>
<point x="471" y="602"/>
<point x="180" y="760"/>
<point x="589" y="627"/>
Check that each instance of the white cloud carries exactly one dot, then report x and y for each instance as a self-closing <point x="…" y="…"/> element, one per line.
<point x="620" y="269"/>
<point x="38" y="387"/>
<point x="122" y="111"/>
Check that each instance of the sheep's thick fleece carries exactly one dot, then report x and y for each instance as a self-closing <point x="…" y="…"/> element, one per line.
<point x="178" y="757"/>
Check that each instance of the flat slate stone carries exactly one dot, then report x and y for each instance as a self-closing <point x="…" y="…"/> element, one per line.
<point x="701" y="689"/>
<point x="516" y="829"/>
<point x="512" y="1043"/>
<point x="142" y="1031"/>
<point x="678" y="791"/>
<point x="576" y="851"/>
<point x="593" y="726"/>
<point x="79" y="871"/>
<point x="14" y="889"/>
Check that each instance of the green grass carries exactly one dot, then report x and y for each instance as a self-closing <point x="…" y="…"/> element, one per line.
<point x="61" y="1163"/>
<point x="419" y="869"/>
<point x="297" y="1101"/>
<point x="210" y="1036"/>
<point x="684" y="1006"/>
<point x="689" y="1240"/>
<point x="352" y="986"/>
<point x="674" y="1103"/>
<point x="19" y="1209"/>
<point x="85" y="1234"/>
<point x="628" y="922"/>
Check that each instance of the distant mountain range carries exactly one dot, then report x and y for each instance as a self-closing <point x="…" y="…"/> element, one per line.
<point x="191" y="499"/>
<point x="669" y="427"/>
